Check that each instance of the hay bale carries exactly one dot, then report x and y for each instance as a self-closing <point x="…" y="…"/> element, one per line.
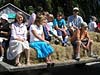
<point x="62" y="53"/>
<point x="95" y="36"/>
<point x="65" y="53"/>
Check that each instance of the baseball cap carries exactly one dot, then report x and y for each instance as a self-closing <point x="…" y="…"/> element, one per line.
<point x="75" y="8"/>
<point x="4" y="16"/>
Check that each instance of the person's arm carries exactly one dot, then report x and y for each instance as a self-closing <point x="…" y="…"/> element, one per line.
<point x="75" y="36"/>
<point x="4" y="32"/>
<point x="57" y="28"/>
<point x="37" y="36"/>
<point x="13" y="33"/>
<point x="5" y="29"/>
<point x="25" y="33"/>
<point x="55" y="25"/>
<point x="78" y="34"/>
<point x="87" y="35"/>
<point x="42" y="38"/>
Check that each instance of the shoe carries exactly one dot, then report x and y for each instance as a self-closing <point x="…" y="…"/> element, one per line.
<point x="18" y="64"/>
<point x="64" y="44"/>
<point x="77" y="58"/>
<point x="1" y="58"/>
<point x="68" y="43"/>
<point x="93" y="56"/>
<point x="56" y="42"/>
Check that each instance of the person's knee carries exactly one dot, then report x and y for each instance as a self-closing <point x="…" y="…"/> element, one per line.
<point x="79" y="42"/>
<point x="91" y="41"/>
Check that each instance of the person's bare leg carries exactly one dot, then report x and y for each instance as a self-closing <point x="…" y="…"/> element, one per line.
<point x="47" y="60"/>
<point x="2" y="53"/>
<point x="27" y="54"/>
<point x="89" y="46"/>
<point x="17" y="61"/>
<point x="49" y="57"/>
<point x="78" y="50"/>
<point x="2" y="50"/>
<point x="90" y="52"/>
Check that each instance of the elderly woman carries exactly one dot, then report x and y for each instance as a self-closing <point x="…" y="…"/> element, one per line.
<point x="18" y="41"/>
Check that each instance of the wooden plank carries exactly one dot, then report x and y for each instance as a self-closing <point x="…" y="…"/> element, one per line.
<point x="6" y="67"/>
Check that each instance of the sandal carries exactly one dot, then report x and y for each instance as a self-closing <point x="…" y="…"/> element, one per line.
<point x="18" y="64"/>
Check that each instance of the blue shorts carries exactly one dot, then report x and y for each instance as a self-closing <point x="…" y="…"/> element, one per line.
<point x="74" y="44"/>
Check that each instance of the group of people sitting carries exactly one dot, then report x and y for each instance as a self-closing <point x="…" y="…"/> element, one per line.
<point x="41" y="27"/>
<point x="18" y="41"/>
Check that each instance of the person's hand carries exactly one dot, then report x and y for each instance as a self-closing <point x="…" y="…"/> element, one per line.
<point x="75" y="27"/>
<point x="85" y="47"/>
<point x="47" y="42"/>
<point x="20" y="39"/>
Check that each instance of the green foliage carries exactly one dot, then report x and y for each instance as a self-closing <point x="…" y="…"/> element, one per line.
<point x="60" y="9"/>
<point x="75" y="3"/>
<point x="30" y="9"/>
<point x="49" y="2"/>
<point x="17" y="3"/>
<point x="87" y="7"/>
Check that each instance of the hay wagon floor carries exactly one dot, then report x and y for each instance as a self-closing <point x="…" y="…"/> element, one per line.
<point x="4" y="67"/>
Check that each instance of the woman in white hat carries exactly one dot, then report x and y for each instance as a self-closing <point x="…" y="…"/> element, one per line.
<point x="4" y="34"/>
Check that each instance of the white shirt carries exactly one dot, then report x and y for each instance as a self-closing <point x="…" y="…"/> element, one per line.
<point x="75" y="21"/>
<point x="39" y="31"/>
<point x="92" y="26"/>
<point x="18" y="31"/>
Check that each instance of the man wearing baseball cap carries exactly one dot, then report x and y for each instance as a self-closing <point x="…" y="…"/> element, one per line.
<point x="75" y="19"/>
<point x="4" y="34"/>
<point x="75" y="8"/>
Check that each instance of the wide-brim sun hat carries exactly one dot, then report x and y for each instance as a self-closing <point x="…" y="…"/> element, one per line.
<point x="4" y="16"/>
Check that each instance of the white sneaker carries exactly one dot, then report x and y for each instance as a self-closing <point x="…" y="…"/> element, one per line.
<point x="1" y="58"/>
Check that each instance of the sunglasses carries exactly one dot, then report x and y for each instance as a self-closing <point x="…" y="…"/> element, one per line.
<point x="75" y="11"/>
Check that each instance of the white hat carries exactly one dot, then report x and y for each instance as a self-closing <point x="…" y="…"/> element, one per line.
<point x="4" y="16"/>
<point x="76" y="8"/>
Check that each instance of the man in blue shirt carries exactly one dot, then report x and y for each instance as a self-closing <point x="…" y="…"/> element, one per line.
<point x="75" y="19"/>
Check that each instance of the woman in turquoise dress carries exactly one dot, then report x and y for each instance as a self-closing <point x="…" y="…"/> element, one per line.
<point x="38" y="42"/>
